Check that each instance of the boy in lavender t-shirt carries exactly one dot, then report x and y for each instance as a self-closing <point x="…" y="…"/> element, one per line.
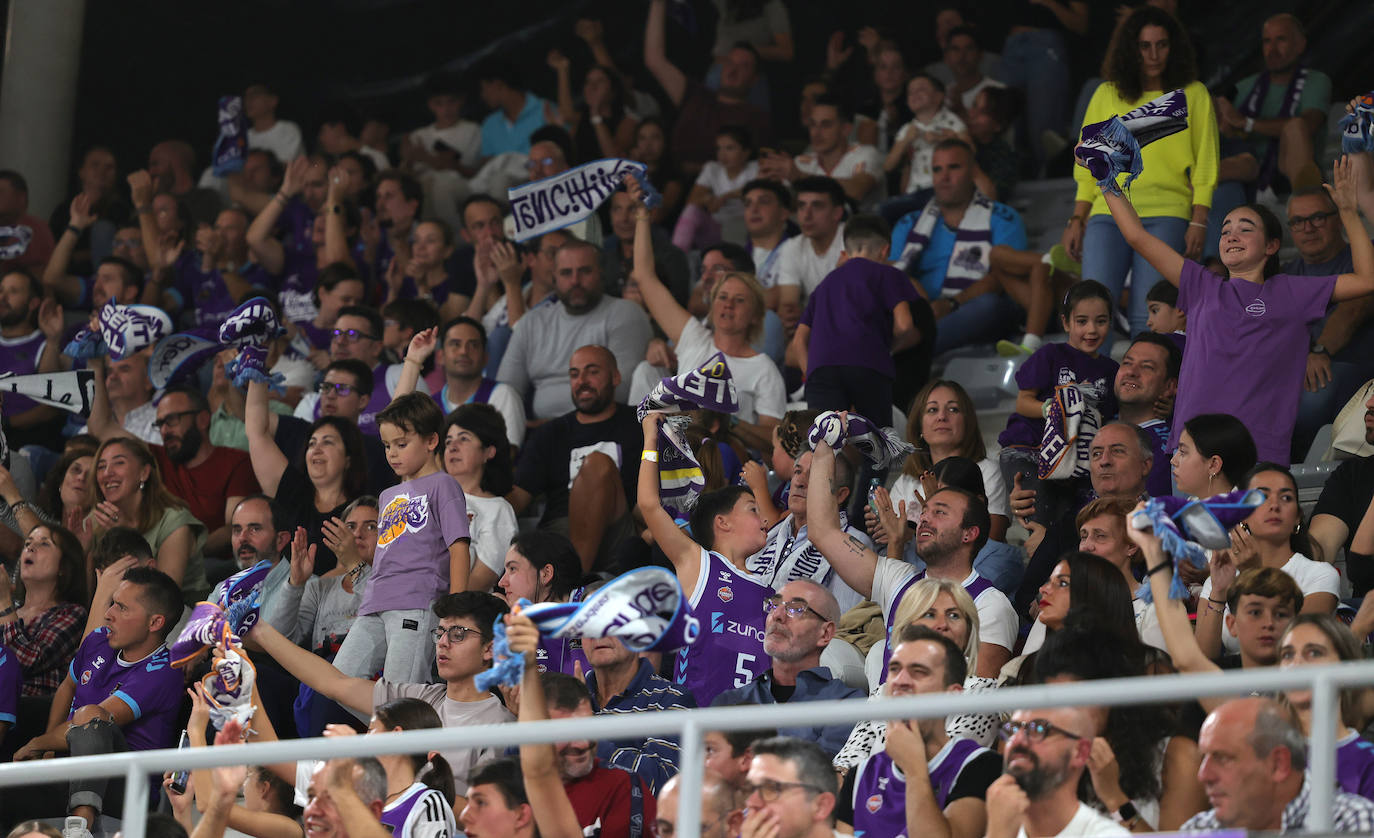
<point x="855" y="319"/>
<point x="422" y="550"/>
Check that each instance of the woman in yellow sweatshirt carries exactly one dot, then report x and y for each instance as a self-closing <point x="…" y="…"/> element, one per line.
<point x="1149" y="54"/>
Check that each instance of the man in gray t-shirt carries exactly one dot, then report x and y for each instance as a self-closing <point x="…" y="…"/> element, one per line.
<point x="544" y="339"/>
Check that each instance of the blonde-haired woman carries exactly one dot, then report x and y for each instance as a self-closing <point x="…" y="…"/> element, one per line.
<point x="943" y="605"/>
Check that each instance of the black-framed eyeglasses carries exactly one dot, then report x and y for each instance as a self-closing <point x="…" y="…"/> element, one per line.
<point x="770" y="790"/>
<point x="455" y="634"/>
<point x="1036" y="730"/>
<point x="336" y="388"/>
<point x="793" y="607"/>
<point x="1316" y="219"/>
<point x="162" y="423"/>
<point x="352" y="335"/>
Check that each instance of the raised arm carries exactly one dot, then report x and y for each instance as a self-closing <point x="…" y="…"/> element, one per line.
<point x="1344" y="193"/>
<point x="314" y="671"/>
<point x="1159" y="254"/>
<point x="336" y="247"/>
<point x="681" y="550"/>
<point x="553" y="811"/>
<point x="101" y="422"/>
<point x="65" y="287"/>
<point x="141" y="190"/>
<point x="266" y="249"/>
<point x="422" y="345"/>
<point x="666" y="311"/>
<point x="849" y="556"/>
<point x="656" y="56"/>
<point x="268" y="460"/>
<point x="562" y="67"/>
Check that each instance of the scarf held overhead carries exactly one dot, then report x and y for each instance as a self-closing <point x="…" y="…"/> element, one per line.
<point x="1356" y="134"/>
<point x="568" y="197"/>
<point x="708" y="387"/>
<point x="880" y="446"/>
<point x="1188" y="528"/>
<point x="1112" y="147"/>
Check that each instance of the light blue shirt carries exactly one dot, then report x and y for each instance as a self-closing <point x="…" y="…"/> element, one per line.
<point x="1006" y="227"/>
<point x="500" y="135"/>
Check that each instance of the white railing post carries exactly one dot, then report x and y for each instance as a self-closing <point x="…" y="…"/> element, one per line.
<point x="1321" y="753"/>
<point x="691" y="767"/>
<point x="135" y="821"/>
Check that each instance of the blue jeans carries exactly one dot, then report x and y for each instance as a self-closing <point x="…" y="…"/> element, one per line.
<point x="1107" y="258"/>
<point x="1037" y="62"/>
<point x="980" y="320"/>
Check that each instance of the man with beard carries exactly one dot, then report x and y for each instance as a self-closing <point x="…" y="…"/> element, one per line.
<point x="1148" y="374"/>
<point x="463" y="356"/>
<point x="544" y="339"/>
<point x="583" y="462"/>
<point x="921" y="779"/>
<point x="800" y="623"/>
<point x="171" y="164"/>
<point x="609" y="802"/>
<point x="1046" y="754"/>
<point x="30" y="342"/>
<point x="210" y="479"/>
<point x="1345" y="501"/>
<point x="953" y="528"/>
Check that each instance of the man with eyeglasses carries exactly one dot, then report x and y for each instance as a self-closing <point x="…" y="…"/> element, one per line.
<point x="1045" y="755"/>
<point x="1341" y="356"/>
<point x="921" y="779"/>
<point x="462" y="646"/>
<point x="358" y="336"/>
<point x="719" y="816"/>
<point x="800" y="622"/>
<point x="791" y="790"/>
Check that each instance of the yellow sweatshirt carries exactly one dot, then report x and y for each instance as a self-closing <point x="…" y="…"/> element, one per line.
<point x="1179" y="170"/>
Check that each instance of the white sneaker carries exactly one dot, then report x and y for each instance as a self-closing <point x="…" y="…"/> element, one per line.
<point x="75" y="827"/>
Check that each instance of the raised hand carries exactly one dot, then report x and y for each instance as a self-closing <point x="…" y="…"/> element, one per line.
<point x="80" y="215"/>
<point x="588" y="30"/>
<point x="51" y="322"/>
<point x="338" y="538"/>
<point x="141" y="188"/>
<point x="293" y="181"/>
<point x="422" y="345"/>
<point x="1343" y="188"/>
<point x="506" y="259"/>
<point x="836" y="53"/>
<point x="302" y="558"/>
<point x="1105" y="773"/>
<point x="558" y="61"/>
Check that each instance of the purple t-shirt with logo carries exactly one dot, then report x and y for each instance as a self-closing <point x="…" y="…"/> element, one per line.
<point x="150" y="687"/>
<point x="11" y="678"/>
<point x="850" y="315"/>
<point x="1247" y="351"/>
<point x="205" y="294"/>
<point x="879" y="797"/>
<point x="20" y="356"/>
<point x="728" y="653"/>
<point x="417" y="522"/>
<point x="1054" y="364"/>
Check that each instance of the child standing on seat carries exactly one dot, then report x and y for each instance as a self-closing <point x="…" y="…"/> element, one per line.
<point x="422" y="550"/>
<point x="1087" y="319"/>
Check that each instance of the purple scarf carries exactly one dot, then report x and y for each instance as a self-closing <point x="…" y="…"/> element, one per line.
<point x="708" y="387"/>
<point x="1111" y="147"/>
<point x="178" y="356"/>
<point x="1070" y="426"/>
<point x="881" y="446"/>
<point x="1188" y="528"/>
<point x="231" y="147"/>
<point x="1254" y="103"/>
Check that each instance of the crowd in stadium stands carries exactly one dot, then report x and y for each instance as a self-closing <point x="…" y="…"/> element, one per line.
<point x="458" y="432"/>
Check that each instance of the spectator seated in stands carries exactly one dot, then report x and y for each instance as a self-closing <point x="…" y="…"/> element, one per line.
<point x="31" y="330"/>
<point x="618" y="254"/>
<point x="97" y="177"/>
<point x="44" y="617"/>
<point x="542" y="566"/>
<point x="945" y="248"/>
<point x="792" y="790"/>
<point x="29" y="243"/>
<point x="445" y="154"/>
<point x="715" y="209"/>
<point x="800" y="623"/>
<point x="171" y="164"/>
<point x="1348" y="493"/>
<point x="719" y="818"/>
<point x="857" y="168"/>
<point x="113" y="277"/>
<point x="805" y="261"/>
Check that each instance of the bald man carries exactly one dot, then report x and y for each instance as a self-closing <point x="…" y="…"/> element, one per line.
<point x="584" y="462"/>
<point x="1037" y="794"/>
<point x="719" y="817"/>
<point x="1254" y="764"/>
<point x="800" y="622"/>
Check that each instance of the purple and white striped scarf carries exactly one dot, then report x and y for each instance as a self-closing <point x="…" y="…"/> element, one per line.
<point x="231" y="146"/>
<point x="1111" y="147"/>
<point x="1070" y="427"/>
<point x="880" y="446"/>
<point x="1254" y="103"/>
<point x="707" y="387"/>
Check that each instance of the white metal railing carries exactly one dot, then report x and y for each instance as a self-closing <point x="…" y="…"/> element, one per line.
<point x="1324" y="682"/>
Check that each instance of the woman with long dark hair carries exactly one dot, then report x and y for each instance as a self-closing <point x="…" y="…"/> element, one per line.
<point x="1215" y="452"/>
<point x="476" y="453"/>
<point x="1149" y="55"/>
<point x="43" y="617"/>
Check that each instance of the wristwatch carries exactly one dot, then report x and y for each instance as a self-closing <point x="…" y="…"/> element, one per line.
<point x="1318" y="349"/>
<point x="1126" y="813"/>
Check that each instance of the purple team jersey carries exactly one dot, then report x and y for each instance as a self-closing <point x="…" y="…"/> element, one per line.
<point x="11" y="678"/>
<point x="205" y="294"/>
<point x="420" y="812"/>
<point x="417" y="522"/>
<point x="294" y="292"/>
<point x="1355" y="765"/>
<point x="563" y="654"/>
<point x="850" y="316"/>
<point x="1247" y="351"/>
<point x="150" y="687"/>
<point x="381" y="397"/>
<point x="20" y="356"/>
<point x="1054" y="364"/>
<point x="729" y="651"/>
<point x="880" y="790"/>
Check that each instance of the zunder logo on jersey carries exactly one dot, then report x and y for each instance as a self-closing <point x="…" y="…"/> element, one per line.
<point x="403" y="514"/>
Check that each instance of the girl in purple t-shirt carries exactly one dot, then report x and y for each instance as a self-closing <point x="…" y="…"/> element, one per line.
<point x="422" y="550"/>
<point x="1087" y="318"/>
<point x="1247" y="333"/>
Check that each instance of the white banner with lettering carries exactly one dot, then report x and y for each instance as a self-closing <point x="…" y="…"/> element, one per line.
<point x="555" y="202"/>
<point x="71" y="391"/>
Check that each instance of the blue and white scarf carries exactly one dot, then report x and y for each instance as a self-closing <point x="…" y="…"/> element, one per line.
<point x="1356" y="134"/>
<point x="971" y="257"/>
<point x="71" y="391"/>
<point x="1188" y="528"/>
<point x="231" y="146"/>
<point x="1112" y="147"/>
<point x="569" y="197"/>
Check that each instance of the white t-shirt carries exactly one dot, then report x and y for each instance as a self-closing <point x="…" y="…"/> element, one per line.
<point x="463" y="136"/>
<point x="282" y="139"/>
<point x="714" y="177"/>
<point x="1312" y="578"/>
<point x="997" y="623"/>
<point x="492" y="523"/>
<point x="508" y="403"/>
<point x="798" y="264"/>
<point x="757" y="380"/>
<point x="922" y="150"/>
<point x="904" y="489"/>
<point x="767" y="263"/>
<point x="970" y="95"/>
<point x="1086" y="821"/>
<point x="857" y="160"/>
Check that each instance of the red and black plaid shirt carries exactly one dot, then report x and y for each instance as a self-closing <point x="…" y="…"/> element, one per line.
<point x="45" y="646"/>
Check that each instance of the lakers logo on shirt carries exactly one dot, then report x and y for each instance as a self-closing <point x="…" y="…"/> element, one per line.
<point x="403" y="514"/>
